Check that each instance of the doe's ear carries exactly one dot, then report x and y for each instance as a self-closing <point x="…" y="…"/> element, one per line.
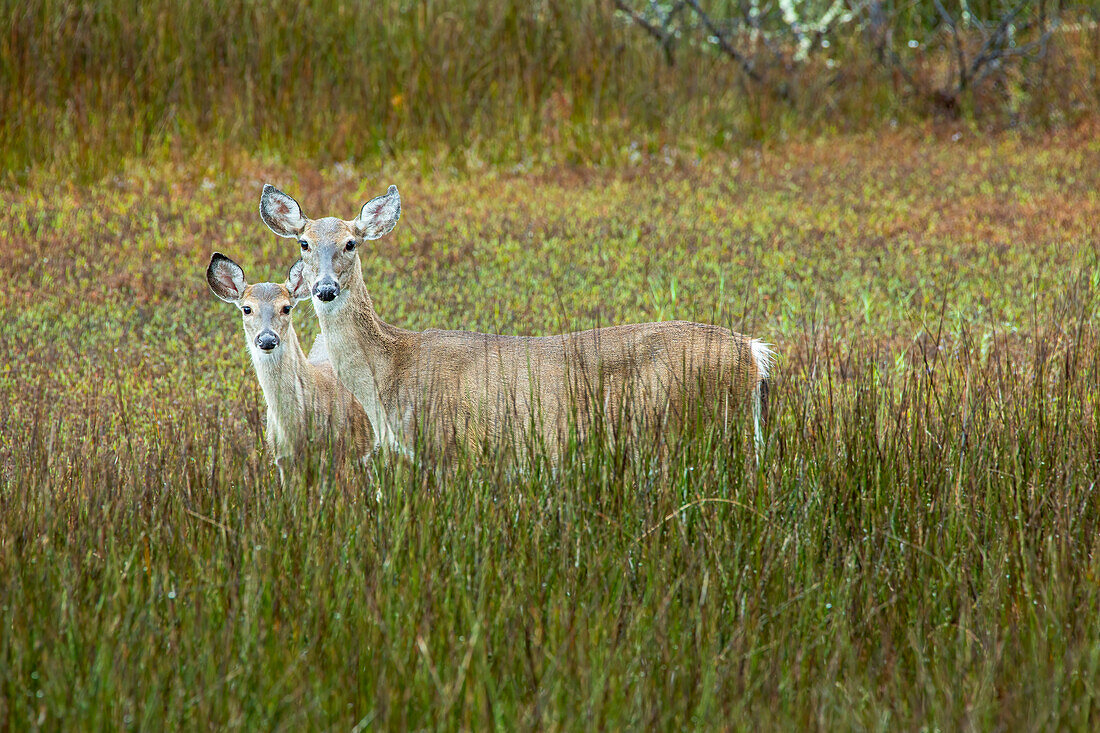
<point x="297" y="282"/>
<point x="281" y="213"/>
<point x="379" y="215"/>
<point x="226" y="278"/>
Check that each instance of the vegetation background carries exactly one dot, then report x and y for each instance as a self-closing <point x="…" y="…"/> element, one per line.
<point x="917" y="547"/>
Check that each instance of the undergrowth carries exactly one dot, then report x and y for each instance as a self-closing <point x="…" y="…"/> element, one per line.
<point x="915" y="548"/>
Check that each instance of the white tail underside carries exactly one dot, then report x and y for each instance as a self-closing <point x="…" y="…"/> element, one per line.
<point x="763" y="355"/>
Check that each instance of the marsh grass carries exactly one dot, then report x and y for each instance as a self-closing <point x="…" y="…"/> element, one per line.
<point x="916" y="548"/>
<point x="83" y="85"/>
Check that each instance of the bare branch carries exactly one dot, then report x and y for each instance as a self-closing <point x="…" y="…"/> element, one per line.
<point x="882" y="34"/>
<point x="769" y="49"/>
<point x="724" y="44"/>
<point x="666" y="24"/>
<point x="753" y="21"/>
<point x="995" y="43"/>
<point x="959" y="55"/>
<point x="1018" y="52"/>
<point x="663" y="35"/>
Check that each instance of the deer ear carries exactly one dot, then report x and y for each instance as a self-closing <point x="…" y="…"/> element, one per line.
<point x="226" y="278"/>
<point x="379" y="215"/>
<point x="281" y="213"/>
<point x="297" y="283"/>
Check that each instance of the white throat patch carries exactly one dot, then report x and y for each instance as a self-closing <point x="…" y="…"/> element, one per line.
<point x="331" y="307"/>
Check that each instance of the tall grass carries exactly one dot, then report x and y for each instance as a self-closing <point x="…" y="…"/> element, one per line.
<point x="916" y="548"/>
<point x="351" y="80"/>
<point x="84" y="84"/>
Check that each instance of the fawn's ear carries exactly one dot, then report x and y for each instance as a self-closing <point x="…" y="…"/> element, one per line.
<point x="297" y="283"/>
<point x="281" y="213"/>
<point x="226" y="278"/>
<point x="379" y="215"/>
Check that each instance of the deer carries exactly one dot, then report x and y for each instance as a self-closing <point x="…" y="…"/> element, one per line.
<point x="305" y="401"/>
<point x="462" y="390"/>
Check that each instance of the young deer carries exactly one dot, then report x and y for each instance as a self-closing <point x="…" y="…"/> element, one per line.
<point x="474" y="390"/>
<point x="305" y="402"/>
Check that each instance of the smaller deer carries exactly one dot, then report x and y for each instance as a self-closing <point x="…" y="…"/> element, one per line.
<point x="305" y="402"/>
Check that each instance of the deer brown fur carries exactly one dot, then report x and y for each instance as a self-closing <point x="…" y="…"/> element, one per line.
<point x="474" y="391"/>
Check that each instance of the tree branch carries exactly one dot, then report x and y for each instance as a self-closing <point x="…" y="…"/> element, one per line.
<point x="724" y="44"/>
<point x="994" y="46"/>
<point x="663" y="36"/>
<point x="959" y="55"/>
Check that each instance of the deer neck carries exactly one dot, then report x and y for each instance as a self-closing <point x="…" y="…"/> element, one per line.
<point x="361" y="347"/>
<point x="286" y="380"/>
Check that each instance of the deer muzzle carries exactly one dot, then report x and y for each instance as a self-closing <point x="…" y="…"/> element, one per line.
<point x="267" y="340"/>
<point x="326" y="290"/>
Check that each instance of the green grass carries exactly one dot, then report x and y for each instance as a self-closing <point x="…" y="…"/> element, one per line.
<point x="917" y="549"/>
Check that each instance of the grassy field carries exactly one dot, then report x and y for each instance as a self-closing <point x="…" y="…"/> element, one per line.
<point x="507" y="81"/>
<point x="918" y="547"/>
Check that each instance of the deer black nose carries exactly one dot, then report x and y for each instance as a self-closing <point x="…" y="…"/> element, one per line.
<point x="267" y="340"/>
<point x="326" y="291"/>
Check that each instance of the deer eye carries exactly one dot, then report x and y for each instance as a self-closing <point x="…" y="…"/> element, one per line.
<point x="286" y="309"/>
<point x="247" y="310"/>
<point x="350" y="246"/>
<point x="305" y="245"/>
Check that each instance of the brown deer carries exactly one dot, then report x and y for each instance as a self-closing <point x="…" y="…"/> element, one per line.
<point x="465" y="390"/>
<point x="305" y="401"/>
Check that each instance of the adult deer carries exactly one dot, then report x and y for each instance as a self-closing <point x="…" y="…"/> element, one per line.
<point x="305" y="402"/>
<point x="460" y="389"/>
